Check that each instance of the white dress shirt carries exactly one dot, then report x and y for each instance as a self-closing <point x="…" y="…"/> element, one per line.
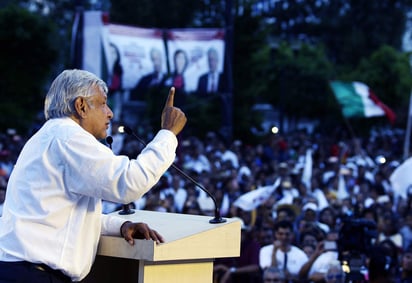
<point x="296" y="258"/>
<point x="53" y="211"/>
<point x="212" y="82"/>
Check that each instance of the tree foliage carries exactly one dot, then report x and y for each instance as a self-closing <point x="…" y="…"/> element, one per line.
<point x="25" y="63"/>
<point x="251" y="55"/>
<point x="350" y="29"/>
<point x="154" y="13"/>
<point x="284" y="52"/>
<point x="300" y="75"/>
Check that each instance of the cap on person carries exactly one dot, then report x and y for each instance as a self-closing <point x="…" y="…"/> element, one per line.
<point x="311" y="206"/>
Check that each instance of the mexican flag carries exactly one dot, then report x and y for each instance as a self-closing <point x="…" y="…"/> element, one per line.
<point x="358" y="100"/>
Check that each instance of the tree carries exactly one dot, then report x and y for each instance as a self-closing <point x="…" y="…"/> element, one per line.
<point x="364" y="28"/>
<point x="28" y="54"/>
<point x="349" y="29"/>
<point x="301" y="75"/>
<point x="251" y="56"/>
<point x="154" y="13"/>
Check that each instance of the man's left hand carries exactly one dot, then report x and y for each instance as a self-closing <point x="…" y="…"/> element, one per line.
<point x="131" y="231"/>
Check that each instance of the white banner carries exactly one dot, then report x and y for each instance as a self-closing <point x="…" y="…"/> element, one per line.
<point x="191" y="48"/>
<point x="200" y="51"/>
<point x="134" y="46"/>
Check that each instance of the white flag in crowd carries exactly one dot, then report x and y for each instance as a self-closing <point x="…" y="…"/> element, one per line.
<point x="307" y="170"/>
<point x="401" y="178"/>
<point x="251" y="200"/>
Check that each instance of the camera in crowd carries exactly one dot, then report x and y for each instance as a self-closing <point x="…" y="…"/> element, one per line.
<point x="356" y="239"/>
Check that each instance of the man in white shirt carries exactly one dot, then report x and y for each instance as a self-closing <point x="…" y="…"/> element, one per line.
<point x="52" y="216"/>
<point x="282" y="253"/>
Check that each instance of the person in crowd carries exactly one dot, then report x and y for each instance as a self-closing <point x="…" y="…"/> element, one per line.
<point x="265" y="236"/>
<point x="335" y="273"/>
<point x="243" y="269"/>
<point x="327" y="216"/>
<point x="286" y="212"/>
<point x="282" y="253"/>
<point x="273" y="274"/>
<point x="406" y="266"/>
<point x="394" y="253"/>
<point x="308" y="241"/>
<point x="388" y="229"/>
<point x="309" y="249"/>
<point x="196" y="160"/>
<point x="52" y="216"/>
<point x="311" y="215"/>
<point x="316" y="267"/>
<point x="405" y="229"/>
<point x="177" y="192"/>
<point x="379" y="266"/>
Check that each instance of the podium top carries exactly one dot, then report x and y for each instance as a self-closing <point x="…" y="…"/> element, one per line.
<point x="186" y="237"/>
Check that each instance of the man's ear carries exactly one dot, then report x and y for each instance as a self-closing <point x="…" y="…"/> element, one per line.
<point x="81" y="106"/>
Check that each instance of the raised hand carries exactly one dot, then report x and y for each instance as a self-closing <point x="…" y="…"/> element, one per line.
<point x="173" y="119"/>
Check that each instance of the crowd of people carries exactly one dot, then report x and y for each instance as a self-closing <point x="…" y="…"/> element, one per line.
<point x="318" y="183"/>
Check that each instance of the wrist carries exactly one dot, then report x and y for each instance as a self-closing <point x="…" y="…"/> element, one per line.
<point x="121" y="228"/>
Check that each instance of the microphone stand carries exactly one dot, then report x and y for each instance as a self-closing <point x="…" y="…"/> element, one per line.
<point x="126" y="210"/>
<point x="217" y="219"/>
<point x="125" y="207"/>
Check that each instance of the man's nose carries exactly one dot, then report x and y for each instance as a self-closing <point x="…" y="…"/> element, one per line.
<point x="110" y="113"/>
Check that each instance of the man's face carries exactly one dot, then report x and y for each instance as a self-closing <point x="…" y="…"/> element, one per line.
<point x="284" y="236"/>
<point x="407" y="261"/>
<point x="266" y="236"/>
<point x="98" y="115"/>
<point x="157" y="61"/>
<point x="309" y="240"/>
<point x="180" y="62"/>
<point x="310" y="215"/>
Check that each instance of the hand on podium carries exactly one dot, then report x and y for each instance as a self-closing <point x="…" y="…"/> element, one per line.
<point x="130" y="231"/>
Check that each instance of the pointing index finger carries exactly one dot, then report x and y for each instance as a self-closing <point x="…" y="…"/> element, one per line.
<point x="170" y="98"/>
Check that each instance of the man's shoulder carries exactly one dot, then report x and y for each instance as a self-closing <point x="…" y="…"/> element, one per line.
<point x="266" y="248"/>
<point x="297" y="251"/>
<point x="64" y="129"/>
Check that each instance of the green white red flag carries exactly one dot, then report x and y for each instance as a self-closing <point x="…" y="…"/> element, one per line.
<point x="358" y="100"/>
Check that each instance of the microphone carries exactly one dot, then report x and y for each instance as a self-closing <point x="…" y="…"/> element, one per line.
<point x="125" y="208"/>
<point x="218" y="218"/>
<point x="109" y="141"/>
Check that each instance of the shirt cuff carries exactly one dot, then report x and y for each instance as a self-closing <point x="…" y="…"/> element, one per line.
<point x="164" y="134"/>
<point x="111" y="225"/>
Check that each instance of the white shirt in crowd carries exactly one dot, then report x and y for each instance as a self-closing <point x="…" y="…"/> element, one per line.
<point x="296" y="258"/>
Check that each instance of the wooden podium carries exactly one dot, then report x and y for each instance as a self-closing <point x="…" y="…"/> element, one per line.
<point x="191" y="245"/>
